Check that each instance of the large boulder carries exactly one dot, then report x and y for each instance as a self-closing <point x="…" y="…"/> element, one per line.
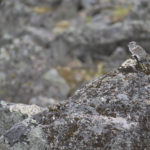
<point x="38" y="36"/>
<point x="110" y="112"/>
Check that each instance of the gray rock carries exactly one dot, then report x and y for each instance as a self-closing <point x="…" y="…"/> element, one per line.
<point x="96" y="40"/>
<point x="42" y="101"/>
<point x="54" y="79"/>
<point x="110" y="112"/>
<point x="14" y="113"/>
<point x="29" y="47"/>
<point x="2" y="77"/>
<point x="8" y="118"/>
<point x="115" y="60"/>
<point x="24" y="135"/>
<point x="18" y="132"/>
<point x="64" y="11"/>
<point x="23" y="65"/>
<point x="88" y="3"/>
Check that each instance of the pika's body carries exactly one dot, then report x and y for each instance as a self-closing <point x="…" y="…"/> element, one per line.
<point x="143" y="58"/>
<point x="137" y="51"/>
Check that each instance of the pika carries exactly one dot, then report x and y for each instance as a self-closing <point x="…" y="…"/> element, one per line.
<point x="137" y="51"/>
<point x="142" y="58"/>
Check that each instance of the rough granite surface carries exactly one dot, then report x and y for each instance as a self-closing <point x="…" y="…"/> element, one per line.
<point x="109" y="113"/>
<point x="38" y="36"/>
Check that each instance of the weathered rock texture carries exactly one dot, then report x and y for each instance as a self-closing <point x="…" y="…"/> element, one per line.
<point x="109" y="113"/>
<point x="38" y="36"/>
<point x="18" y="131"/>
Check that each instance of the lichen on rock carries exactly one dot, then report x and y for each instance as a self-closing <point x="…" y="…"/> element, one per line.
<point x="110" y="112"/>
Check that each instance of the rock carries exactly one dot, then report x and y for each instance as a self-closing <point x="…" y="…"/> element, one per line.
<point x="110" y="112"/>
<point x="18" y="132"/>
<point x="115" y="60"/>
<point x="88" y="3"/>
<point x="40" y="34"/>
<point x="24" y="135"/>
<point x="2" y="77"/>
<point x="8" y="118"/>
<point x="96" y="40"/>
<point x="14" y="113"/>
<point x="57" y="82"/>
<point x="64" y="11"/>
<point x="23" y="65"/>
<point x="42" y="101"/>
<point x="89" y="31"/>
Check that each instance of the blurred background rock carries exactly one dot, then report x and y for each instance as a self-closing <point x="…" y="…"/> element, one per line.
<point x="50" y="48"/>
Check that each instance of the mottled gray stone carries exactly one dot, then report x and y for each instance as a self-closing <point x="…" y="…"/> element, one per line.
<point x="109" y="112"/>
<point x="18" y="129"/>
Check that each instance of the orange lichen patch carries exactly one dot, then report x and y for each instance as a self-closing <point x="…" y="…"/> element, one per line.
<point x="100" y="69"/>
<point x="41" y="9"/>
<point x="75" y="76"/>
<point x="75" y="64"/>
<point x="120" y="13"/>
<point x="13" y="76"/>
<point x="28" y="83"/>
<point x="61" y="26"/>
<point x="88" y="19"/>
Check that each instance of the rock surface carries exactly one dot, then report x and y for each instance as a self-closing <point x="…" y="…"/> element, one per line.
<point x="110" y="112"/>
<point x="18" y="129"/>
<point x="41" y="41"/>
<point x="37" y="36"/>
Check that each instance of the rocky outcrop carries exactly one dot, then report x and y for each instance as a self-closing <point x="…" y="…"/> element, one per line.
<point x="110" y="112"/>
<point x="38" y="36"/>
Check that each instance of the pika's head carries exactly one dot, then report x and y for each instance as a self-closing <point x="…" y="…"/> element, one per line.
<point x="132" y="44"/>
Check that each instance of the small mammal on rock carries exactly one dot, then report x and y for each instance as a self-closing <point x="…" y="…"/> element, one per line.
<point x="141" y="56"/>
<point x="137" y="51"/>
